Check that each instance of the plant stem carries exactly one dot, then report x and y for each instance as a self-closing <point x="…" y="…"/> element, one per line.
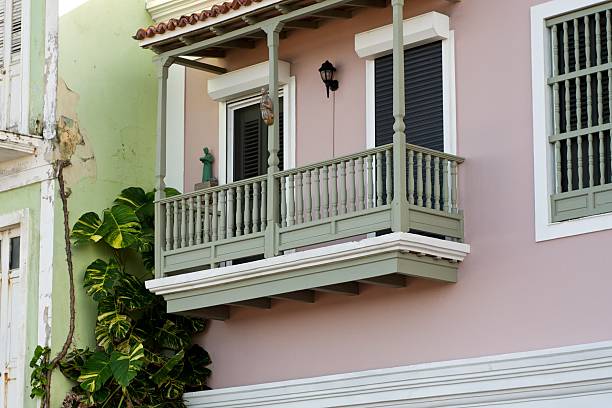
<point x="69" y="337"/>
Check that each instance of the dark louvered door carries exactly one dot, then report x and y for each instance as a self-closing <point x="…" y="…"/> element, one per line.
<point x="251" y="142"/>
<point x="424" y="97"/>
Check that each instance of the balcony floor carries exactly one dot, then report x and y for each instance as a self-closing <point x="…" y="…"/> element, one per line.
<point x="339" y="268"/>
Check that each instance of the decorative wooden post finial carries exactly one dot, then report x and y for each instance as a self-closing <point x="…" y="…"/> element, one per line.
<point x="267" y="107"/>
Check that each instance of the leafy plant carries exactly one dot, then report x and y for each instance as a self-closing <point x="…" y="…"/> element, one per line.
<point x="144" y="357"/>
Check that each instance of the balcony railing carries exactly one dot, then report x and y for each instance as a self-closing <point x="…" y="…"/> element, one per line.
<point x="322" y="202"/>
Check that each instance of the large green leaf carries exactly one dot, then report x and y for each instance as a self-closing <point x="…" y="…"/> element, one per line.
<point x="87" y="228"/>
<point x="126" y="366"/>
<point x="120" y="227"/>
<point x="96" y="372"/>
<point x="137" y="200"/>
<point x="163" y="374"/>
<point x="172" y="337"/>
<point x="195" y="372"/>
<point x="113" y="325"/>
<point x="72" y="365"/>
<point x="132" y="293"/>
<point x="100" y="278"/>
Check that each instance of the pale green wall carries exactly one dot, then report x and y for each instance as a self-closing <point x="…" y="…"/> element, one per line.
<point x="111" y="93"/>
<point x="37" y="61"/>
<point x="14" y="200"/>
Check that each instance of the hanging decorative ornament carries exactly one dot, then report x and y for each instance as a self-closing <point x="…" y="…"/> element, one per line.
<point x="267" y="107"/>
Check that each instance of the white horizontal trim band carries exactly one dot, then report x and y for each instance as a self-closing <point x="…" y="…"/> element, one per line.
<point x="394" y="242"/>
<point x="527" y="379"/>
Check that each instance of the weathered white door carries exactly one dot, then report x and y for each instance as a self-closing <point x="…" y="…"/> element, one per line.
<point x="10" y="64"/>
<point x="12" y="320"/>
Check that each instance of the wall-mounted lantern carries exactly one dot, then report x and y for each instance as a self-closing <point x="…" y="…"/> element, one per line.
<point x="327" y="71"/>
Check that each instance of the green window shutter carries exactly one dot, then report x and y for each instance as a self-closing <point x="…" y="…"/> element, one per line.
<point x="424" y="97"/>
<point x="16" y="31"/>
<point x="580" y="82"/>
<point x="251" y="142"/>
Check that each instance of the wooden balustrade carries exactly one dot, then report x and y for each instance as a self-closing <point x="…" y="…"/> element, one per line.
<point x="432" y="179"/>
<point x="217" y="213"/>
<point x="341" y="190"/>
<point x="348" y="180"/>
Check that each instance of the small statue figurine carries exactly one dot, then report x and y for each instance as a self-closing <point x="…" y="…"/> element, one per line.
<point x="267" y="107"/>
<point x="207" y="161"/>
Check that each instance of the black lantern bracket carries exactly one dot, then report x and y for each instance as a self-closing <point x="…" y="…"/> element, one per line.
<point x="327" y="72"/>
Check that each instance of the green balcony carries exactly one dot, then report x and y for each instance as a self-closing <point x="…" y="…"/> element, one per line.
<point x="215" y="240"/>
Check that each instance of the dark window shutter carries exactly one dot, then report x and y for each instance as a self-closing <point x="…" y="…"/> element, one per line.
<point x="251" y="142"/>
<point x="424" y="97"/>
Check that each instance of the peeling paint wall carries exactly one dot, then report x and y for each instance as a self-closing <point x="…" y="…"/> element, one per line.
<point x="106" y="113"/>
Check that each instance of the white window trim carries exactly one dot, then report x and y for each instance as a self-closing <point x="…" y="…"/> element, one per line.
<point x="20" y="219"/>
<point x="418" y="30"/>
<point x="25" y="66"/>
<point x="245" y="83"/>
<point x="573" y="376"/>
<point x="542" y="127"/>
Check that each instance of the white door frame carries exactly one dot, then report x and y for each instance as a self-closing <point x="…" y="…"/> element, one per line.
<point x="11" y="225"/>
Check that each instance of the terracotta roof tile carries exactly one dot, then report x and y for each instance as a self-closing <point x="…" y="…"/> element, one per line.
<point x="183" y="21"/>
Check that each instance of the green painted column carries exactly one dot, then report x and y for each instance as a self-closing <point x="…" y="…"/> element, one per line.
<point x="273" y="194"/>
<point x="399" y="205"/>
<point x="160" y="161"/>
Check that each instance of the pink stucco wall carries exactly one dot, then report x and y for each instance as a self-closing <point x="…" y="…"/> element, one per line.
<point x="513" y="294"/>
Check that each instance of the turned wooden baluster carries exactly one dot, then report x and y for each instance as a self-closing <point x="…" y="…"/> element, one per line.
<point x="360" y="184"/>
<point x="316" y="202"/>
<point x="342" y="187"/>
<point x="334" y="189"/>
<point x="445" y="191"/>
<point x="247" y="209"/>
<point x="198" y="203"/>
<point x="263" y="205"/>
<point x="602" y="159"/>
<point x="454" y="187"/>
<point x="207" y="216"/>
<point x="190" y="221"/>
<point x="325" y="190"/>
<point x="256" y="208"/>
<point x="299" y="199"/>
<point x="437" y="183"/>
<point x="579" y="155"/>
<point x="379" y="179"/>
<point x="215" y="215"/>
<point x="307" y="197"/>
<point x="389" y="176"/>
<point x="168" y="209"/>
<point x="239" y="198"/>
<point x="175" y="225"/>
<point x="591" y="157"/>
<point x="223" y="216"/>
<point x="183" y="223"/>
<point x="283" y="201"/>
<point x="350" y="184"/>
<point x="609" y="45"/>
<point x="410" y="176"/>
<point x="291" y="203"/>
<point x="419" y="170"/>
<point x="428" y="180"/>
<point x="230" y="213"/>
<point x="370" y="175"/>
<point x="557" y="108"/>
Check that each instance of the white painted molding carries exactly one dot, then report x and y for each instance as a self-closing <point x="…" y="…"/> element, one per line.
<point x="245" y="81"/>
<point x="543" y="182"/>
<point x="418" y="30"/>
<point x="26" y="46"/>
<point x="175" y="127"/>
<point x="208" y="22"/>
<point x="20" y="220"/>
<point x="22" y="172"/>
<point x="575" y="376"/>
<point x="15" y="145"/>
<point x="394" y="242"/>
<point x="45" y="264"/>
